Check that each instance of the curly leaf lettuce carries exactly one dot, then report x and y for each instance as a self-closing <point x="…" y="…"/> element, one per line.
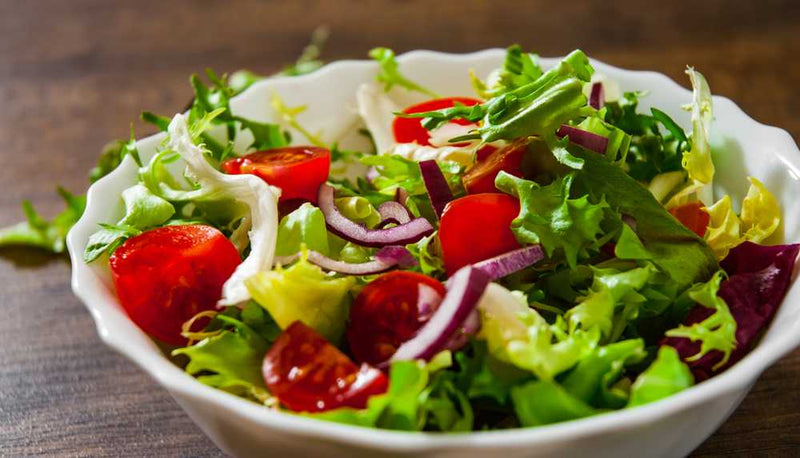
<point x="304" y="292"/>
<point x="390" y="75"/>
<point x="40" y="233"/>
<point x="517" y="334"/>
<point x="549" y="217"/>
<point x="717" y="331"/>
<point x="230" y="360"/>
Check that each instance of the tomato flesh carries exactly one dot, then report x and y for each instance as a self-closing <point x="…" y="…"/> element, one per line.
<point x="480" y="178"/>
<point x="308" y="374"/>
<point x="385" y="314"/>
<point x="693" y="216"/>
<point x="477" y="227"/>
<point x="167" y="275"/>
<point x="297" y="170"/>
<point x="410" y="130"/>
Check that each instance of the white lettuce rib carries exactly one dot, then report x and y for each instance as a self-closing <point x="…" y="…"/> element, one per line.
<point x="261" y="198"/>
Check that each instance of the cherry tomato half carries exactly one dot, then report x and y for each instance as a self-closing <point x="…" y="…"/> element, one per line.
<point x="480" y="178"/>
<point x="477" y="227"/>
<point x="297" y="170"/>
<point x="693" y="216"/>
<point x="410" y="130"/>
<point x="308" y="374"/>
<point x="167" y="275"/>
<point x="385" y="314"/>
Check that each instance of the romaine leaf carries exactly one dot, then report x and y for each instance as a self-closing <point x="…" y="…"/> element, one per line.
<point x="664" y="377"/>
<point x="676" y="251"/>
<point x="40" y="233"/>
<point x="549" y="217"/>
<point x="304" y="292"/>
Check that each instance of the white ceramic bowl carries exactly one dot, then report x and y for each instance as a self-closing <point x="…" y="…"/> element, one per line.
<point x="671" y="427"/>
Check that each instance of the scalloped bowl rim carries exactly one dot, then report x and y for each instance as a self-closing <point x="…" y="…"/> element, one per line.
<point x="739" y="377"/>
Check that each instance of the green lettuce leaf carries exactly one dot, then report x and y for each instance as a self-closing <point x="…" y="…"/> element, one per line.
<point x="519" y="68"/>
<point x="304" y="292"/>
<point x="230" y="360"/>
<point x="549" y="217"/>
<point x="304" y="226"/>
<point x="516" y="334"/>
<point x="664" y="377"/>
<point x="544" y="402"/>
<point x="718" y="331"/>
<point x="675" y="250"/>
<point x="593" y="378"/>
<point x="697" y="161"/>
<point x="113" y="154"/>
<point x="390" y="75"/>
<point x="143" y="210"/>
<point x="38" y="232"/>
<point x="400" y="408"/>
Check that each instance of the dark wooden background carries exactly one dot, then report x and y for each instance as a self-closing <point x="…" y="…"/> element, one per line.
<point x="73" y="74"/>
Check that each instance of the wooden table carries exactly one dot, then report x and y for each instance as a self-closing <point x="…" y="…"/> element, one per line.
<point x="74" y="74"/>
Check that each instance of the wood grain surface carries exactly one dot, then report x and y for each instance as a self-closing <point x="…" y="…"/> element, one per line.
<point x="73" y="74"/>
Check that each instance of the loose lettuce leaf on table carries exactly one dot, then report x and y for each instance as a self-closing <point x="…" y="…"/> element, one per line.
<point x="40" y="233"/>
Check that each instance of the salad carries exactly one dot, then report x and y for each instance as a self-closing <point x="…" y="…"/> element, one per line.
<point x="536" y="252"/>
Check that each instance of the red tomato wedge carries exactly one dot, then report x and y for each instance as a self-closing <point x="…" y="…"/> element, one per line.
<point x="692" y="215"/>
<point x="480" y="178"/>
<point x="385" y="314"/>
<point x="167" y="275"/>
<point x="477" y="227"/>
<point x="410" y="130"/>
<point x="308" y="374"/>
<point x="297" y="170"/>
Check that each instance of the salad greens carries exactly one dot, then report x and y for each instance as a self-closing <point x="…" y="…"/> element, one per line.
<point x="604" y="274"/>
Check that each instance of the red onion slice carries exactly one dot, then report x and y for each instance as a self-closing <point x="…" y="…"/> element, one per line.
<point x="394" y="210"/>
<point x="584" y="138"/>
<point x="351" y="231"/>
<point x="513" y="261"/>
<point x="386" y="258"/>
<point x="464" y="290"/>
<point x="401" y="196"/>
<point x="436" y="185"/>
<point x="428" y="301"/>
<point x="372" y="174"/>
<point x="597" y="96"/>
<point x="470" y="327"/>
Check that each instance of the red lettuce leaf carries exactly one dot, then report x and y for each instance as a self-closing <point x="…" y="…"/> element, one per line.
<point x="758" y="278"/>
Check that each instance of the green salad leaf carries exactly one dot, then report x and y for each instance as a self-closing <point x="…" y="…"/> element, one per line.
<point x="304" y="292"/>
<point x="231" y="359"/>
<point x="41" y="233"/>
<point x="543" y="402"/>
<point x="718" y="331"/>
<point x="302" y="227"/>
<point x="675" y="250"/>
<point x="143" y="210"/>
<point x="664" y="377"/>
<point x="549" y="216"/>
<point x="390" y="75"/>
